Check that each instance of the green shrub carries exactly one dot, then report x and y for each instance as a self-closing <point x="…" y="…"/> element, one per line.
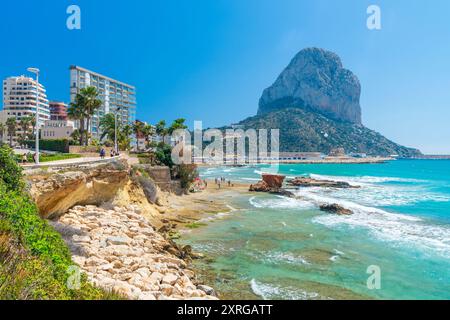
<point x="187" y="173"/>
<point x="10" y="172"/>
<point x="59" y="156"/>
<point x="163" y="155"/>
<point x="58" y="145"/>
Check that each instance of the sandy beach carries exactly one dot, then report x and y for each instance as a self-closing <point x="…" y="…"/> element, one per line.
<point x="184" y="211"/>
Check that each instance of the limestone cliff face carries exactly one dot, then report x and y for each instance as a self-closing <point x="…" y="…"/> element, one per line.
<point x="315" y="79"/>
<point x="56" y="193"/>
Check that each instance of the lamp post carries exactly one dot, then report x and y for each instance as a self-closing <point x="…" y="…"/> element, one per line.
<point x="36" y="72"/>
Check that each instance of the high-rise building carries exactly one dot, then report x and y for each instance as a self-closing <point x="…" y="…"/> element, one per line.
<point x="19" y="98"/>
<point x="117" y="97"/>
<point x="19" y="101"/>
<point x="58" y="110"/>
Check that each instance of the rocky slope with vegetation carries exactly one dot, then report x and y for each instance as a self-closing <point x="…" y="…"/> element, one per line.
<point x="105" y="227"/>
<point x="33" y="257"/>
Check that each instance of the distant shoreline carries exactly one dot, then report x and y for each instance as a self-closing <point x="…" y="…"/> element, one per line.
<point x="328" y="160"/>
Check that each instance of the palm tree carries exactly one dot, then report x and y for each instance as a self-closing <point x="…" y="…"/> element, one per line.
<point x="11" y="125"/>
<point x="91" y="104"/>
<point x="138" y="128"/>
<point x="84" y="107"/>
<point x="161" y="129"/>
<point x="176" y="125"/>
<point x="76" y="112"/>
<point x="108" y="126"/>
<point x="124" y="137"/>
<point x="24" y="124"/>
<point x="148" y="131"/>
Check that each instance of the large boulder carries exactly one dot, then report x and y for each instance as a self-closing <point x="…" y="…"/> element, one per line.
<point x="274" y="181"/>
<point x="315" y="78"/>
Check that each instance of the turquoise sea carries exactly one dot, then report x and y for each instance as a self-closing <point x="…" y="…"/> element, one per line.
<point x="273" y="247"/>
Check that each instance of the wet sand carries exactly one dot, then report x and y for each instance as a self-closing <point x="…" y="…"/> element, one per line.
<point x="187" y="210"/>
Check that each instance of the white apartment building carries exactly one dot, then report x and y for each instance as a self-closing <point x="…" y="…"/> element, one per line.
<point x="57" y="129"/>
<point x="19" y="100"/>
<point x="117" y="97"/>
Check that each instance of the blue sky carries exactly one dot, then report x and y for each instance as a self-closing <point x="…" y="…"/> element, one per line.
<point x="211" y="59"/>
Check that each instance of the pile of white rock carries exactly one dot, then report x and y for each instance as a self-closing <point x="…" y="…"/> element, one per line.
<point x="119" y="250"/>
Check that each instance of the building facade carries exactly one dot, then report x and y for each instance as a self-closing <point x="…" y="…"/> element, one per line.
<point x="57" y="129"/>
<point x="117" y="97"/>
<point x="58" y="110"/>
<point x="19" y="100"/>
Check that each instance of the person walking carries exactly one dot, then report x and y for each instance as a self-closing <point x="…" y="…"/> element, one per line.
<point x="102" y="153"/>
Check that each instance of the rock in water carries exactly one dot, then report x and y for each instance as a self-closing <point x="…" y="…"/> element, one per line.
<point x="274" y="181"/>
<point x="309" y="182"/>
<point x="315" y="78"/>
<point x="335" y="208"/>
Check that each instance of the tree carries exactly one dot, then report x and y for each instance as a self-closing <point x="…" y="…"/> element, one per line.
<point x="161" y="129"/>
<point x="84" y="107"/>
<point x="76" y="136"/>
<point x="76" y="112"/>
<point x="148" y="131"/>
<point x="108" y="126"/>
<point x="124" y="137"/>
<point x="11" y="125"/>
<point x="177" y="125"/>
<point x="2" y="131"/>
<point x="138" y="128"/>
<point x="25" y="123"/>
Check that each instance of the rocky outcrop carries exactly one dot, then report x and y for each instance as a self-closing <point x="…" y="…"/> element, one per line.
<point x="309" y="182"/>
<point x="261" y="186"/>
<point x="274" y="181"/>
<point x="119" y="250"/>
<point x="271" y="183"/>
<point x="55" y="193"/>
<point x="316" y="79"/>
<point x="336" y="209"/>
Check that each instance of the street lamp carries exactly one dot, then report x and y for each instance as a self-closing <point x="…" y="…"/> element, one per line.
<point x="36" y="72"/>
<point x="116" y="148"/>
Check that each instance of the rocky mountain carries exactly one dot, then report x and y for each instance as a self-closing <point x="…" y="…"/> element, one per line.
<point x="315" y="104"/>
<point x="316" y="78"/>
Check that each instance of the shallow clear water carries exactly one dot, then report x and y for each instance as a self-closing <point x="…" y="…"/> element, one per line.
<point x="275" y="247"/>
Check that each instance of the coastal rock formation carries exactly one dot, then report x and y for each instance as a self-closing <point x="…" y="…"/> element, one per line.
<point x="273" y="181"/>
<point x="261" y="186"/>
<point x="119" y="250"/>
<point x="316" y="78"/>
<point x="315" y="105"/>
<point x="309" y="182"/>
<point x="92" y="185"/>
<point x="335" y="208"/>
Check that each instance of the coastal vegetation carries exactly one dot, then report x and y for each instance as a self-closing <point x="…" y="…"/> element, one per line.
<point x="34" y="260"/>
<point x="82" y="109"/>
